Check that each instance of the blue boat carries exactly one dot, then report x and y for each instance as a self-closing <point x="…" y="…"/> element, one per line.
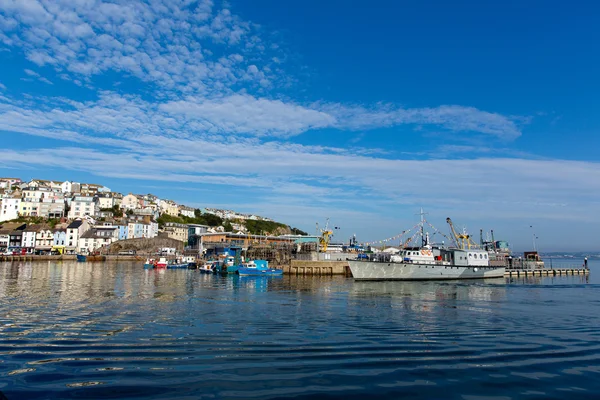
<point x="81" y="258"/>
<point x="258" y="268"/>
<point x="177" y="264"/>
<point x="227" y="266"/>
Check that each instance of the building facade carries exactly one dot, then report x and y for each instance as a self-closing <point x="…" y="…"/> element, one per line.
<point x="9" y="208"/>
<point x="177" y="231"/>
<point x="82" y="206"/>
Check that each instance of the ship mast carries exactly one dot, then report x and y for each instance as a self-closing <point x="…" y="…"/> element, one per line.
<point x="424" y="241"/>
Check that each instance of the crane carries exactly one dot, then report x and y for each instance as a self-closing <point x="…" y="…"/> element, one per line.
<point x="462" y="240"/>
<point x="324" y="236"/>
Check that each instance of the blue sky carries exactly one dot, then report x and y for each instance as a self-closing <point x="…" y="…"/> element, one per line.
<point x="359" y="111"/>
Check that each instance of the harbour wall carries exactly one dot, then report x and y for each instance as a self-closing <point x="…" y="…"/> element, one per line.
<point x="301" y="267"/>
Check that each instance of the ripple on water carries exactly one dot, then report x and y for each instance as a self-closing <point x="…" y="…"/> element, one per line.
<point x="117" y="331"/>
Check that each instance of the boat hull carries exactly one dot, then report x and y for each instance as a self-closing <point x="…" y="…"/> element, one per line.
<point x="390" y="271"/>
<point x="81" y="258"/>
<point x="177" y="266"/>
<point x="259" y="272"/>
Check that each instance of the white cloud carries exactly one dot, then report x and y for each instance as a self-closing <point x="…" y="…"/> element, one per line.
<point x="160" y="42"/>
<point x="453" y="117"/>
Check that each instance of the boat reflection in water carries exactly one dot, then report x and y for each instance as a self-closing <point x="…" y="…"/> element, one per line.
<point x="484" y="290"/>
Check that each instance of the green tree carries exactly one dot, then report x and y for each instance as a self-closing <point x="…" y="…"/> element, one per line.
<point x="297" y="231"/>
<point x="227" y="226"/>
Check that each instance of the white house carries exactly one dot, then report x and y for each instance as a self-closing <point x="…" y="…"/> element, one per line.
<point x="169" y="207"/>
<point x="98" y="237"/>
<point x="67" y="187"/>
<point x="9" y="208"/>
<point x="52" y="207"/>
<point x="187" y="211"/>
<point x="131" y="202"/>
<point x="74" y="232"/>
<point x="44" y="238"/>
<point x="28" y="208"/>
<point x="82" y="206"/>
<point x="7" y="183"/>
<point x="105" y="200"/>
<point x="28" y="238"/>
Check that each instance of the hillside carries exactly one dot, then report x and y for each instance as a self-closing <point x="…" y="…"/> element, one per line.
<point x="254" y="227"/>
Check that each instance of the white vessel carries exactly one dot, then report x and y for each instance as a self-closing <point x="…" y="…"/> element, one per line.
<point x="429" y="262"/>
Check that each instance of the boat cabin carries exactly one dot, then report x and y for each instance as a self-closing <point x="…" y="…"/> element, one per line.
<point x="470" y="257"/>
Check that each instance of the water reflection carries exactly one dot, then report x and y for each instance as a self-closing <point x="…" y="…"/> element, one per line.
<point x="78" y="330"/>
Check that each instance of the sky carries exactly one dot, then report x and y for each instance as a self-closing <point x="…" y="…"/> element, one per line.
<point x="363" y="112"/>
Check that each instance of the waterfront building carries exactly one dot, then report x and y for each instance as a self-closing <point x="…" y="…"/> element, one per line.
<point x="176" y="231"/>
<point x="194" y="230"/>
<point x="74" y="232"/>
<point x="230" y="239"/>
<point x="97" y="237"/>
<point x="59" y="238"/>
<point x="301" y="239"/>
<point x="44" y="238"/>
<point x="6" y="233"/>
<point x="16" y="239"/>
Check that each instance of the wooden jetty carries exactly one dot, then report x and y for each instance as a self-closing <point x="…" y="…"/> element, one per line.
<point x="547" y="272"/>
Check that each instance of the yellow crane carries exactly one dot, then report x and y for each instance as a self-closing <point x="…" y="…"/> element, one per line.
<point x="461" y="240"/>
<point x="324" y="236"/>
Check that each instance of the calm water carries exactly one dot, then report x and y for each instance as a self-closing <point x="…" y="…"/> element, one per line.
<point x="117" y="331"/>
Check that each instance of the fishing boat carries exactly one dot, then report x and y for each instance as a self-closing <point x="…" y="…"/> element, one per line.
<point x="81" y="258"/>
<point x="427" y="261"/>
<point x="161" y="263"/>
<point x="191" y="262"/>
<point x="149" y="264"/>
<point x="227" y="265"/>
<point x="208" y="267"/>
<point x="258" y="268"/>
<point x="177" y="264"/>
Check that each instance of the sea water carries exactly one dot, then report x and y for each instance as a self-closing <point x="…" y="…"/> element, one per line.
<point x="116" y="331"/>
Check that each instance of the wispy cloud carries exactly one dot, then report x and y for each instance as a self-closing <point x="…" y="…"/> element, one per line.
<point x="38" y="76"/>
<point x="207" y="54"/>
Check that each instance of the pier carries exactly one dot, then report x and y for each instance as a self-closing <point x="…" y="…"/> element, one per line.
<point x="547" y="272"/>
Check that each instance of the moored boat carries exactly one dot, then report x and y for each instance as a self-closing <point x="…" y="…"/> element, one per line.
<point x="429" y="262"/>
<point x="227" y="266"/>
<point x="81" y="258"/>
<point x="177" y="264"/>
<point x="161" y="263"/>
<point x="208" y="267"/>
<point x="258" y="268"/>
